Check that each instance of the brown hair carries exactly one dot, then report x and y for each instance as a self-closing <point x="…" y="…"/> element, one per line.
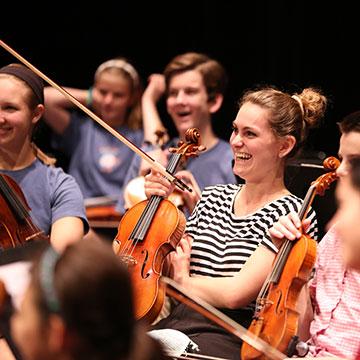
<point x="212" y="72"/>
<point x="350" y="122"/>
<point x="290" y="114"/>
<point x="95" y="301"/>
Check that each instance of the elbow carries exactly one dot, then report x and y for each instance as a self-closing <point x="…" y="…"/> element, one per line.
<point x="237" y="300"/>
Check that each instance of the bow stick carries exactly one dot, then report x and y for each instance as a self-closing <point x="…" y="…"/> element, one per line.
<point x="154" y="164"/>
<point x="178" y="292"/>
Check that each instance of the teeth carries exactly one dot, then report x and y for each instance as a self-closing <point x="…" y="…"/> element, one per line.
<point x="243" y="156"/>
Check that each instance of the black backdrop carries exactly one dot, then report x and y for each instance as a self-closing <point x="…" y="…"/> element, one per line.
<point x="289" y="44"/>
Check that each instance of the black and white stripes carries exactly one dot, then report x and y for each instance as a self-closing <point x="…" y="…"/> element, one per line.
<point x="222" y="241"/>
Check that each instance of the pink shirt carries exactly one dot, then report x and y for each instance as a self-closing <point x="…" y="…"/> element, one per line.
<point x="335" y="330"/>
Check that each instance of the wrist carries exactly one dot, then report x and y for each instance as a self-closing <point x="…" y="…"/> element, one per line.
<point x="89" y="97"/>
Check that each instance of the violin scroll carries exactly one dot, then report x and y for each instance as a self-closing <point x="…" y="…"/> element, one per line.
<point x="192" y="145"/>
<point x="331" y="163"/>
<point x="324" y="181"/>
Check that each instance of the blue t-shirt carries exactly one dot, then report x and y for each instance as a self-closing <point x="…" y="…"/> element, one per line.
<point x="99" y="162"/>
<point x="211" y="167"/>
<point x="50" y="193"/>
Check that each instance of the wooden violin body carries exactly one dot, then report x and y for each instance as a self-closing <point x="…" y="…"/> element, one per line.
<point x="145" y="258"/>
<point x="278" y="322"/>
<point x="16" y="225"/>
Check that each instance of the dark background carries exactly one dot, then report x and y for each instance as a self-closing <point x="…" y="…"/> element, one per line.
<point x="284" y="43"/>
<point x="289" y="44"/>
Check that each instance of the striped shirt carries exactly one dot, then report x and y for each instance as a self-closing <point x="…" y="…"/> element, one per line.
<point x="222" y="241"/>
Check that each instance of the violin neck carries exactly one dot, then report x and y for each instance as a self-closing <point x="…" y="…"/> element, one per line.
<point x="307" y="202"/>
<point x="141" y="228"/>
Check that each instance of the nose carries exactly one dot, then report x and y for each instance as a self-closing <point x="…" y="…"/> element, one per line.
<point x="236" y="140"/>
<point x="342" y="170"/>
<point x="108" y="98"/>
<point x="180" y="97"/>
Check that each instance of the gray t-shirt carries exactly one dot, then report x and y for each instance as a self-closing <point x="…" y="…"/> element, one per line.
<point x="50" y="193"/>
<point x="99" y="162"/>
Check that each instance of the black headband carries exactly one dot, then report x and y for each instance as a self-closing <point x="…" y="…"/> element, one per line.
<point x="22" y="72"/>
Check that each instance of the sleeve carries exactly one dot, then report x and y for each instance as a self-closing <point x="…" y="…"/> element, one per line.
<point x="66" y="198"/>
<point x="194" y="220"/>
<point x="132" y="173"/>
<point x="68" y="141"/>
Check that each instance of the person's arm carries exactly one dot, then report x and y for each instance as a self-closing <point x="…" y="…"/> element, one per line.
<point x="58" y="107"/>
<point x="227" y="292"/>
<point x="65" y="231"/>
<point x="306" y="314"/>
<point x="151" y="118"/>
<point x="5" y="351"/>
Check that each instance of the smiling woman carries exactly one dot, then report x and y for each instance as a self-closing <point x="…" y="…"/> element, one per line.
<point x="226" y="252"/>
<point x="56" y="203"/>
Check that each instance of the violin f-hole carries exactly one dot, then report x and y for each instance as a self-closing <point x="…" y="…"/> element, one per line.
<point x="143" y="275"/>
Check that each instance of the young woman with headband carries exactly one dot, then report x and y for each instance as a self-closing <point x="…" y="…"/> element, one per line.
<point x="98" y="161"/>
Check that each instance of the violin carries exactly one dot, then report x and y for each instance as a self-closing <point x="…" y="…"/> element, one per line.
<point x="148" y="232"/>
<point x="276" y="317"/>
<point x="134" y="191"/>
<point x="16" y="225"/>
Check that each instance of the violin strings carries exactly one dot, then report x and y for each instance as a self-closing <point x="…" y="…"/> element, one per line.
<point x="148" y="214"/>
<point x="284" y="251"/>
<point x="17" y="205"/>
<point x="143" y="224"/>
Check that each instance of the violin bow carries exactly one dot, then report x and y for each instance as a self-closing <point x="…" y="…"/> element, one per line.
<point x="178" y="292"/>
<point x="154" y="164"/>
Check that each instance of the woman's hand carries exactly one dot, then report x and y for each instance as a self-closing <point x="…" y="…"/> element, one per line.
<point x="157" y="184"/>
<point x="180" y="260"/>
<point x="190" y="198"/>
<point x="287" y="227"/>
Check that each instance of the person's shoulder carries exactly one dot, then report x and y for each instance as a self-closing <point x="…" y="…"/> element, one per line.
<point x="287" y="203"/>
<point x="56" y="175"/>
<point x="221" y="189"/>
<point x="331" y="238"/>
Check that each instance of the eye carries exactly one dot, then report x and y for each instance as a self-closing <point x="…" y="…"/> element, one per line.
<point x="172" y="93"/>
<point x="234" y="129"/>
<point x="249" y="133"/>
<point x="191" y="91"/>
<point x="10" y="108"/>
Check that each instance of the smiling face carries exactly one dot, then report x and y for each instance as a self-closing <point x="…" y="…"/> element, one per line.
<point x="16" y="117"/>
<point x="187" y="101"/>
<point x="258" y="153"/>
